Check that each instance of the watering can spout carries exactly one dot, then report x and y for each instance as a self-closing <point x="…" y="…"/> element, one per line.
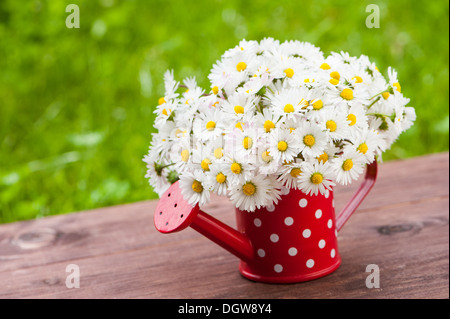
<point x="173" y="214"/>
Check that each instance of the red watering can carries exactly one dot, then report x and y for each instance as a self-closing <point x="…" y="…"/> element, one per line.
<point x="294" y="241"/>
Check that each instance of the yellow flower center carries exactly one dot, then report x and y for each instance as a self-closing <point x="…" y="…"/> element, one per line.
<point x="236" y="168"/>
<point x="238" y="109"/>
<point x="197" y="186"/>
<point x="215" y="90"/>
<point x="331" y="125"/>
<point x="247" y="142"/>
<point x="397" y="86"/>
<point x="325" y="66"/>
<point x="164" y="111"/>
<point x="239" y="126"/>
<point x="268" y="125"/>
<point x="241" y="66"/>
<point x="335" y="75"/>
<point x="309" y="140"/>
<point x="289" y="72"/>
<point x="185" y="155"/>
<point x="266" y="157"/>
<point x="347" y="165"/>
<point x="363" y="148"/>
<point x="334" y="81"/>
<point x="352" y="119"/>
<point x="323" y="158"/>
<point x="288" y="108"/>
<point x="161" y="100"/>
<point x="385" y="95"/>
<point x="221" y="178"/>
<point x="295" y="172"/>
<point x="211" y="125"/>
<point x="282" y="146"/>
<point x="218" y="152"/>
<point x="357" y="79"/>
<point x="317" y="105"/>
<point x="205" y="164"/>
<point x="316" y="178"/>
<point x="347" y="94"/>
<point x="249" y="189"/>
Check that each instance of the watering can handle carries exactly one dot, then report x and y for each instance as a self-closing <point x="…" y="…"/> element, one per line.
<point x="361" y="193"/>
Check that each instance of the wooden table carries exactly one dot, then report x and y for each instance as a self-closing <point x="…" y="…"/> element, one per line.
<point x="402" y="227"/>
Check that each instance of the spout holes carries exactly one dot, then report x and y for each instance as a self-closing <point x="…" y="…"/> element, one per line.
<point x="175" y="205"/>
<point x="167" y="223"/>
<point x="181" y="216"/>
<point x="168" y="195"/>
<point x="160" y="213"/>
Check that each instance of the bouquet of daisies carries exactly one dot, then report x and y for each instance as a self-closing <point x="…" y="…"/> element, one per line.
<point x="278" y="116"/>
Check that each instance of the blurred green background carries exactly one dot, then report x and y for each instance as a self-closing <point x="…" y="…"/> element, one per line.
<point x="76" y="105"/>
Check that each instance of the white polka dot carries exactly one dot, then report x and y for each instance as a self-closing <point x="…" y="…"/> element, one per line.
<point x="330" y="223"/>
<point x="318" y="213"/>
<point x="274" y="238"/>
<point x="310" y="263"/>
<point x="332" y="203"/>
<point x="333" y="253"/>
<point x="261" y="253"/>
<point x="321" y="243"/>
<point x="270" y="208"/>
<point x="289" y="221"/>
<point x="306" y="233"/>
<point x="327" y="193"/>
<point x="257" y="222"/>
<point x="292" y="251"/>
<point x="285" y="190"/>
<point x="303" y="202"/>
<point x="278" y="268"/>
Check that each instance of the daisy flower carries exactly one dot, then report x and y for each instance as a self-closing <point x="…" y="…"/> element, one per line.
<point x="341" y="94"/>
<point x="284" y="146"/>
<point x="266" y="120"/>
<point x="217" y="181"/>
<point x="264" y="161"/>
<point x="316" y="178"/>
<point x="312" y="139"/>
<point x="335" y="123"/>
<point x="180" y="153"/>
<point x="237" y="168"/>
<point x="257" y="192"/>
<point x="288" y="68"/>
<point x="349" y="166"/>
<point x="194" y="188"/>
<point x="367" y="144"/>
<point x="290" y="174"/>
<point x="208" y="125"/>
<point x="242" y="141"/>
<point x="288" y="103"/>
<point x="277" y="115"/>
<point x="156" y="173"/>
<point x="238" y="105"/>
<point x="357" y="118"/>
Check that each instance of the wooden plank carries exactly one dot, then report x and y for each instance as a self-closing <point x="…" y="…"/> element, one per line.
<point x="121" y="254"/>
<point x="410" y="248"/>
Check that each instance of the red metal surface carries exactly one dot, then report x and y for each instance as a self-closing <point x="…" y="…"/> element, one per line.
<point x="294" y="241"/>
<point x="173" y="213"/>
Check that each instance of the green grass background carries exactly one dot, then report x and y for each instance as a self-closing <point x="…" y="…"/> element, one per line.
<point x="76" y="105"/>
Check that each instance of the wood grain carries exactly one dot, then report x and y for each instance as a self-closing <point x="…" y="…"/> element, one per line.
<point x="402" y="227"/>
